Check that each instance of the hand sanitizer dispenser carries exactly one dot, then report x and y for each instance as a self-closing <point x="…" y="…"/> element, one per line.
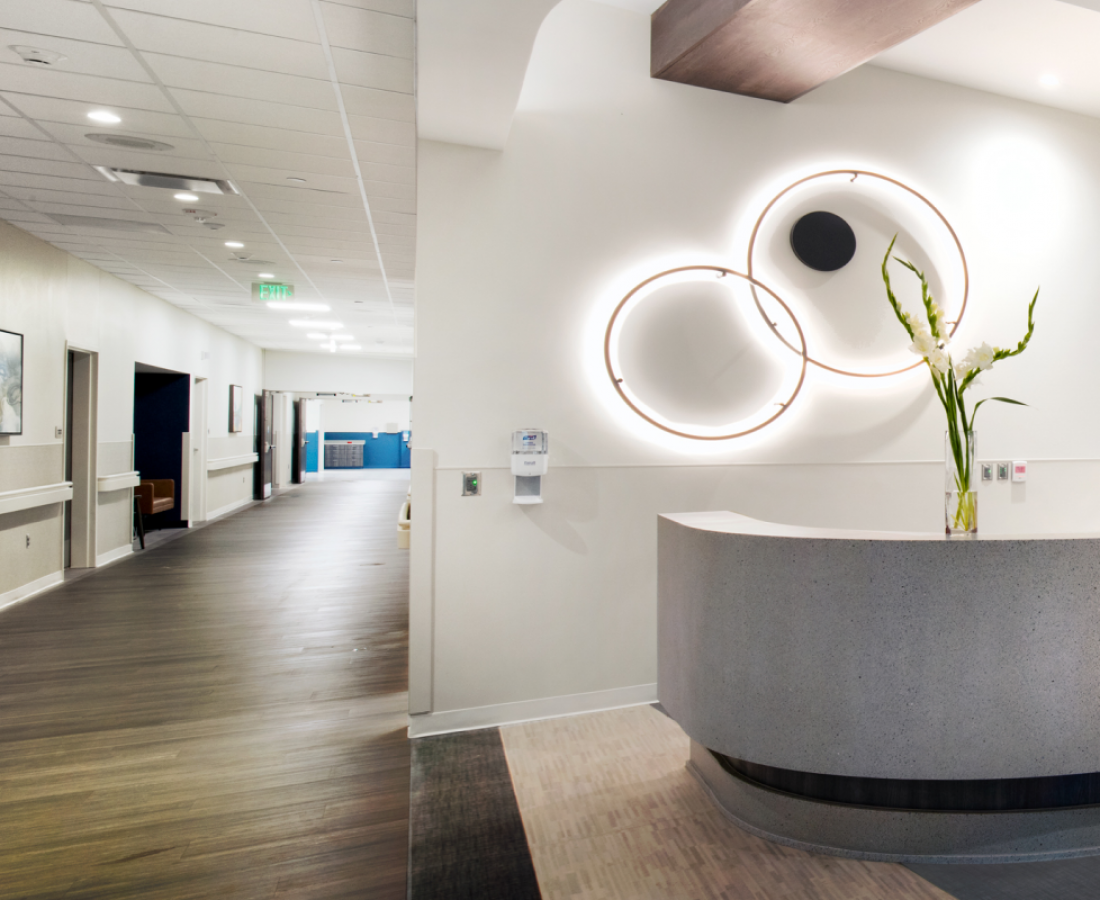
<point x="530" y="459"/>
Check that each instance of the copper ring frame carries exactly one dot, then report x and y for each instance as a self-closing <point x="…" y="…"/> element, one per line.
<point x="855" y="173"/>
<point x="616" y="380"/>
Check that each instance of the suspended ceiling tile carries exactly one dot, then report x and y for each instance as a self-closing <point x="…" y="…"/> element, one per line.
<point x="243" y="136"/>
<point x="77" y="136"/>
<point x="330" y="185"/>
<point x="46" y="110"/>
<point x="81" y="56"/>
<point x="75" y="19"/>
<point x="383" y="131"/>
<point x="284" y="210"/>
<point x="384" y="189"/>
<point x="96" y="92"/>
<point x="40" y="148"/>
<point x="15" y="165"/>
<point x="406" y="8"/>
<point x="376" y="104"/>
<point x="258" y="112"/>
<point x="269" y="191"/>
<point x="282" y="18"/>
<point x="392" y="218"/>
<point x="159" y="34"/>
<point x="391" y="204"/>
<point x="385" y="154"/>
<point x="358" y="28"/>
<point x="303" y="163"/>
<point x="237" y="81"/>
<point x="21" y="216"/>
<point x="14" y="125"/>
<point x="390" y="174"/>
<point x="370" y="70"/>
<point x="117" y="158"/>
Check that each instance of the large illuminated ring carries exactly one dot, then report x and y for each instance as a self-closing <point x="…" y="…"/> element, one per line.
<point x="855" y="173"/>
<point x="617" y="381"/>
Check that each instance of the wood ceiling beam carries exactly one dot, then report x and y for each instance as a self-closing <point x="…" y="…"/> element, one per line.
<point x="781" y="49"/>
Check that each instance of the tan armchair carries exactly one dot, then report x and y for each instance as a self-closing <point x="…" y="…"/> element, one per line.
<point x="156" y="495"/>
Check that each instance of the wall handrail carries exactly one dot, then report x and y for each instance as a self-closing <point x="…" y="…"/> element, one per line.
<point x="33" y="497"/>
<point x="231" y="462"/>
<point x="118" y="481"/>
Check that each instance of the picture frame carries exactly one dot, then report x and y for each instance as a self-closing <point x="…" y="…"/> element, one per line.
<point x="236" y="408"/>
<point x="11" y="382"/>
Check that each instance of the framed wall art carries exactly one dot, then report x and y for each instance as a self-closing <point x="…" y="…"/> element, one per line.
<point x="236" y="408"/>
<point x="11" y="382"/>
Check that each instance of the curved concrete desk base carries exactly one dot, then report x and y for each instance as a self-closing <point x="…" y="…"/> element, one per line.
<point x="897" y="835"/>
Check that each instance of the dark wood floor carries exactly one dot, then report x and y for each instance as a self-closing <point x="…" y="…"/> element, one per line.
<point x="222" y="716"/>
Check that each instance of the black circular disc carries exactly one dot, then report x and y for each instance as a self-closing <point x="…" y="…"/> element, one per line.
<point x="823" y="241"/>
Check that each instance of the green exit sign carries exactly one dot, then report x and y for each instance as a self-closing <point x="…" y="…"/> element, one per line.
<point x="264" y="291"/>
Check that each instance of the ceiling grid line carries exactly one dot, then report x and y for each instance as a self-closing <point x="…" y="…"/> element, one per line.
<point x="323" y="31"/>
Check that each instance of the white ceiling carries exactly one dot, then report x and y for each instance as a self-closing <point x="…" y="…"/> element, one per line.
<point x="251" y="91"/>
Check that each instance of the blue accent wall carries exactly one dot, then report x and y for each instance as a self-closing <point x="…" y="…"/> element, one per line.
<point x="311" y="451"/>
<point x="162" y="413"/>
<point x="387" y="451"/>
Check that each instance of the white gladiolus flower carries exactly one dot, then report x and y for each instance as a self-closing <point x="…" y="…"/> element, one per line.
<point x="923" y="344"/>
<point x="962" y="368"/>
<point x="982" y="357"/>
<point x="939" y="361"/>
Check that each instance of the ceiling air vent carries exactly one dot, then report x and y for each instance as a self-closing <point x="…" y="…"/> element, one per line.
<point x="109" y="224"/>
<point x="165" y="180"/>
<point x="129" y="142"/>
<point x="37" y="56"/>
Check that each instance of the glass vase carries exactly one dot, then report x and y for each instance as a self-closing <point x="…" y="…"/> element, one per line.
<point x="961" y="486"/>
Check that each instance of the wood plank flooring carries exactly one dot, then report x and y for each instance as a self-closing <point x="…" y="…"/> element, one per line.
<point x="611" y="813"/>
<point x="222" y="716"/>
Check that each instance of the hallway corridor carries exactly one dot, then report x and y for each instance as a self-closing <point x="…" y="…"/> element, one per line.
<point x="221" y="716"/>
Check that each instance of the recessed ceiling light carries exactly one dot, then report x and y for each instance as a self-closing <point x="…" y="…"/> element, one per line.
<point x="336" y="260"/>
<point x="301" y="307"/>
<point x="343" y="337"/>
<point x="317" y="336"/>
<point x="350" y="347"/>
<point x="266" y="275"/>
<point x="104" y="117"/>
<point x="187" y="198"/>
<point x="311" y="323"/>
<point x="297" y="180"/>
<point x="1050" y="81"/>
<point x="234" y="244"/>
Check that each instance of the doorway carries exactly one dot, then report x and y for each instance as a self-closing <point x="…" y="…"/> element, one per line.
<point x="162" y="415"/>
<point x="81" y="379"/>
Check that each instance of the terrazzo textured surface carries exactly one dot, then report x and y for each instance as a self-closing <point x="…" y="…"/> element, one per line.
<point x="611" y="813"/>
<point x="881" y="656"/>
<point x="898" y="835"/>
<point x="466" y="839"/>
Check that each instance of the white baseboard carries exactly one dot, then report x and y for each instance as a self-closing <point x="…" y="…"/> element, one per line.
<point x="111" y="555"/>
<point x="29" y="590"/>
<point x="450" y="721"/>
<point x="227" y="509"/>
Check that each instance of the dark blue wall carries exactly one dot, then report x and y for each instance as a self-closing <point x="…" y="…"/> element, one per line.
<point x="162" y="413"/>
<point x="387" y="451"/>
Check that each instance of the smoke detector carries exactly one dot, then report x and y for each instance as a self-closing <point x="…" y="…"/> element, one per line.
<point x="129" y="142"/>
<point x="37" y="56"/>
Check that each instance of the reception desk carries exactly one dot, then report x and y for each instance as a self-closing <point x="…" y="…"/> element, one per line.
<point x="887" y="695"/>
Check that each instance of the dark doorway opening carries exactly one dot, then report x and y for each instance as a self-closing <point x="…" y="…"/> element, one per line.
<point x="162" y="415"/>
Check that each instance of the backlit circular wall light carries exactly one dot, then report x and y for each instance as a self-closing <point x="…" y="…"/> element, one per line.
<point x="850" y="176"/>
<point x="823" y="241"/>
<point x="775" y="407"/>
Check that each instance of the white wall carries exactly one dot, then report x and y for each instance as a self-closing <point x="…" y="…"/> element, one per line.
<point x="365" y="415"/>
<point x="609" y="176"/>
<point x="286" y="371"/>
<point x="55" y="300"/>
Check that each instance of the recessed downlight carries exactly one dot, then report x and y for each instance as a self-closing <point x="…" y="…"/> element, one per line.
<point x="266" y="275"/>
<point x="236" y="245"/>
<point x="187" y="198"/>
<point x="1050" y="81"/>
<point x="104" y="117"/>
<point x="297" y="180"/>
<point x="317" y="336"/>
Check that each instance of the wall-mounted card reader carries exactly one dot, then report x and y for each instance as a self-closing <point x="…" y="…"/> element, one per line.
<point x="530" y="461"/>
<point x="471" y="484"/>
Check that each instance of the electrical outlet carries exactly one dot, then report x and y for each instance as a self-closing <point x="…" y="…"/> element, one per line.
<point x="28" y="540"/>
<point x="58" y="432"/>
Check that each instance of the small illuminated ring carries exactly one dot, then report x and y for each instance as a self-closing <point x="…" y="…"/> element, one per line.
<point x="855" y="173"/>
<point x="616" y="380"/>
